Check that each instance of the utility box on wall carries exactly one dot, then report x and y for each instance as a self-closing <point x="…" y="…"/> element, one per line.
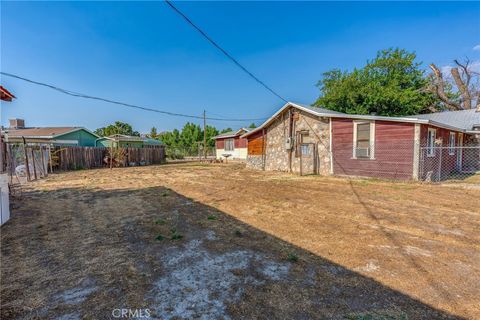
<point x="4" y="200"/>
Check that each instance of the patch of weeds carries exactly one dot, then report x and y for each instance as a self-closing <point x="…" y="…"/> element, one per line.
<point x="212" y="217"/>
<point x="292" y="257"/>
<point x="175" y="235"/>
<point x="164" y="194"/>
<point x="159" y="237"/>
<point x="160" y="221"/>
<point x="238" y="233"/>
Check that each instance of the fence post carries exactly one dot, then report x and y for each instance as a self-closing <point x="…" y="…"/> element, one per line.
<point x="26" y="159"/>
<point x="440" y="166"/>
<point x="33" y="163"/>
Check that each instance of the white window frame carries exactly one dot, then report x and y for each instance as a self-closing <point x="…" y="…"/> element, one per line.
<point x="232" y="140"/>
<point x="451" y="143"/>
<point x="372" y="139"/>
<point x="431" y="142"/>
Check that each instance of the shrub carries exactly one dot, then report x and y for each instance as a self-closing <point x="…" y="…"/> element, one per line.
<point x="292" y="257"/>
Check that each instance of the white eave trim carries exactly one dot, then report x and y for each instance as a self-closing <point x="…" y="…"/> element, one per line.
<point x="75" y="130"/>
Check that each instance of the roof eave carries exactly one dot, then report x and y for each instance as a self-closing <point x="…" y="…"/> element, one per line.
<point x="351" y="116"/>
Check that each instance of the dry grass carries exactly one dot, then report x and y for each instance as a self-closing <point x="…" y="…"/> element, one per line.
<point x="85" y="242"/>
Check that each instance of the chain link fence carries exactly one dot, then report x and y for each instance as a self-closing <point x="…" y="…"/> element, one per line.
<point x="189" y="152"/>
<point x="403" y="161"/>
<point x="26" y="163"/>
<point x="448" y="163"/>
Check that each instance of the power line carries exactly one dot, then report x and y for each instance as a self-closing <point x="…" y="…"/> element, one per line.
<point x="85" y="96"/>
<point x="229" y="56"/>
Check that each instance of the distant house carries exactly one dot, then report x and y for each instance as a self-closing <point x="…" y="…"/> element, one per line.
<point x="309" y="140"/>
<point x="231" y="144"/>
<point x="54" y="136"/>
<point x="124" y="141"/>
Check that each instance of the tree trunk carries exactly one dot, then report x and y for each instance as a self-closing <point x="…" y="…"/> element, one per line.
<point x="440" y="88"/>
<point x="462" y="87"/>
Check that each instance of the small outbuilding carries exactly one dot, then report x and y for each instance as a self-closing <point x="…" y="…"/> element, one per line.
<point x="231" y="145"/>
<point x="125" y="141"/>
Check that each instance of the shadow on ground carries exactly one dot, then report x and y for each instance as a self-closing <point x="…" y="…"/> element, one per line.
<point x="81" y="253"/>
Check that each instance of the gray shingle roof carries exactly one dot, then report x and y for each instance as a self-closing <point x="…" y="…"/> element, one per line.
<point x="464" y="119"/>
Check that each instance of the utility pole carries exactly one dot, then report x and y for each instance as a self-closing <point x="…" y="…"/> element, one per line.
<point x="204" y="135"/>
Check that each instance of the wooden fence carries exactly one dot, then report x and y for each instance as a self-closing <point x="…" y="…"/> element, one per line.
<point x="31" y="162"/>
<point x="75" y="158"/>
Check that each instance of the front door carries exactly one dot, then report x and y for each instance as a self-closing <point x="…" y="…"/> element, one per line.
<point x="308" y="159"/>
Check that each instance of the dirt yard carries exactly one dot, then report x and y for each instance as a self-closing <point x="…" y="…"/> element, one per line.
<point x="222" y="242"/>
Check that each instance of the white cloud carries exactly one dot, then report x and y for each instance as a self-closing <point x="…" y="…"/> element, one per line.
<point x="476" y="48"/>
<point x="446" y="70"/>
<point x="473" y="66"/>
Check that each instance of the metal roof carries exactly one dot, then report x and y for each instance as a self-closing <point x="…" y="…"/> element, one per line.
<point x="321" y="112"/>
<point x="232" y="134"/>
<point x="465" y="119"/>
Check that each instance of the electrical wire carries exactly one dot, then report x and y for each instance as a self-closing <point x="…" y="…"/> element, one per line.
<point x="85" y="96"/>
<point x="228" y="55"/>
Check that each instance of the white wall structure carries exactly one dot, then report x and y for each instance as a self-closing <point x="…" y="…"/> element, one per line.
<point x="4" y="200"/>
<point x="237" y="153"/>
<point x="230" y="145"/>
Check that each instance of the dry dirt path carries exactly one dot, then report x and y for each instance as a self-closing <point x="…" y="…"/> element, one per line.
<point x="81" y="244"/>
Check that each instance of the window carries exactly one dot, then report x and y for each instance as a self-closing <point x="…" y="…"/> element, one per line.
<point x="432" y="133"/>
<point x="302" y="137"/>
<point x="451" y="144"/>
<point x="306" y="150"/>
<point x="229" y="144"/>
<point x="363" y="136"/>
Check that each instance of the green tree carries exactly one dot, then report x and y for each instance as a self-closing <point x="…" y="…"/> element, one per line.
<point x="392" y="84"/>
<point x="170" y="139"/>
<point x="153" y="133"/>
<point x="211" y="132"/>
<point x="117" y="128"/>
<point x="252" y="125"/>
<point x="190" y="136"/>
<point x="226" y="130"/>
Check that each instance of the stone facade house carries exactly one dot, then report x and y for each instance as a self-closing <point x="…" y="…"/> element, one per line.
<point x="307" y="140"/>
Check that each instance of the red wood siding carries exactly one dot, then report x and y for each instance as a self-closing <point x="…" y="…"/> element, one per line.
<point x="394" y="143"/>
<point x="238" y="143"/>
<point x="448" y="162"/>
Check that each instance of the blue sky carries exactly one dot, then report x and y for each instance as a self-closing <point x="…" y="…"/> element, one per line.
<point x="143" y="53"/>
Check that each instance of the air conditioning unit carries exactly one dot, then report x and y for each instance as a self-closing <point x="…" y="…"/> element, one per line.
<point x="288" y="143"/>
<point x="362" y="152"/>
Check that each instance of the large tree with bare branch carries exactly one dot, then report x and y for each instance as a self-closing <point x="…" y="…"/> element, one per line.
<point x="464" y="79"/>
<point x="392" y="84"/>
